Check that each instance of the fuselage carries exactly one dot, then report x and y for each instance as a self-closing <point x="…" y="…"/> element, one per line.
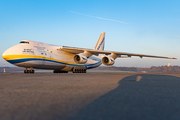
<point x="31" y="54"/>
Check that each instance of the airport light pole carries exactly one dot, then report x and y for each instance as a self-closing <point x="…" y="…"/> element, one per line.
<point x="4" y="67"/>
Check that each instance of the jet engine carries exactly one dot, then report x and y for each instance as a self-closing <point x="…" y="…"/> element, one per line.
<point x="106" y="60"/>
<point x="79" y="58"/>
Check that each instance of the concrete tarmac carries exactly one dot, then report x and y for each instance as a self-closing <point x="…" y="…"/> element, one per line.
<point x="90" y="96"/>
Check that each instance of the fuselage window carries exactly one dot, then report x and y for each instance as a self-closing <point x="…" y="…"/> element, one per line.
<point x="24" y="42"/>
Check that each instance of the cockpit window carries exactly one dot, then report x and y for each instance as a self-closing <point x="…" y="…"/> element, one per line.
<point x="24" y="42"/>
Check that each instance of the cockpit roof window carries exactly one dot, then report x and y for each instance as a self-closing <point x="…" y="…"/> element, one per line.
<point x="24" y="42"/>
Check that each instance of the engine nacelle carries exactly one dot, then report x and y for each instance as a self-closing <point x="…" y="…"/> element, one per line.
<point x="81" y="59"/>
<point x="106" y="60"/>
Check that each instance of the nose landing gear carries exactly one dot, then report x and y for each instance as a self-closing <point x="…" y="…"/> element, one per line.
<point x="31" y="71"/>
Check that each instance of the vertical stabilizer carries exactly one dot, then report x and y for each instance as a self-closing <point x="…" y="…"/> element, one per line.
<point x="101" y="42"/>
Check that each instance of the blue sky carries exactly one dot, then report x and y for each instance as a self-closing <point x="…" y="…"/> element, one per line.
<point x="143" y="26"/>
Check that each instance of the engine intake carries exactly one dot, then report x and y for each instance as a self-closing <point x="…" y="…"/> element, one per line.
<point x="106" y="60"/>
<point x="81" y="59"/>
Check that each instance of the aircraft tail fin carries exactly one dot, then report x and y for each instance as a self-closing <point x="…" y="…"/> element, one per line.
<point x="101" y="42"/>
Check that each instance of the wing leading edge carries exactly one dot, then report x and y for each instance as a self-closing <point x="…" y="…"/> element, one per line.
<point x="75" y="50"/>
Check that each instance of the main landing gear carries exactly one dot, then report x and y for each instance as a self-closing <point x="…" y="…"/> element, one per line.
<point x="31" y="71"/>
<point x="79" y="70"/>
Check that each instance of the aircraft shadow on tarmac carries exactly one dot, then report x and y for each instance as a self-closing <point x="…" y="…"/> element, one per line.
<point x="142" y="96"/>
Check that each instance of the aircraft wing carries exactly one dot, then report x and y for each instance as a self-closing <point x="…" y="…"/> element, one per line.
<point x="75" y="50"/>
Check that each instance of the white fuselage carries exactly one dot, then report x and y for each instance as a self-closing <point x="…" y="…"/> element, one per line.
<point x="31" y="54"/>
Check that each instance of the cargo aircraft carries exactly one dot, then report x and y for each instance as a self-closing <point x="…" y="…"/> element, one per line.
<point x="30" y="54"/>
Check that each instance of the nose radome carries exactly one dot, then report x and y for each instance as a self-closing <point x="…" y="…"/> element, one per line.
<point x="14" y="50"/>
<point x="4" y="55"/>
<point x="7" y="53"/>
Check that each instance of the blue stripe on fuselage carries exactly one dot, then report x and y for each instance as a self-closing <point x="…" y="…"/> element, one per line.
<point x="38" y="59"/>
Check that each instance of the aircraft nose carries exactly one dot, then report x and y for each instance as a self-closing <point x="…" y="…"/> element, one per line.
<point x="6" y="54"/>
<point x="9" y="53"/>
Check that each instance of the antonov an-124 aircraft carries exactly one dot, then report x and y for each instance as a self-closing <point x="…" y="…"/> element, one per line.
<point x="30" y="54"/>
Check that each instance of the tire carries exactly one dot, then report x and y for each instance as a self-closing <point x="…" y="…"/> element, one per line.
<point x="28" y="71"/>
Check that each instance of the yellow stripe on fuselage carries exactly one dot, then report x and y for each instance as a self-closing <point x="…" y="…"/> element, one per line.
<point x="14" y="57"/>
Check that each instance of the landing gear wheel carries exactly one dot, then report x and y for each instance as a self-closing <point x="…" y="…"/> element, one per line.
<point x="32" y="71"/>
<point x="25" y="71"/>
<point x="55" y="71"/>
<point x="28" y="71"/>
<point x="79" y="71"/>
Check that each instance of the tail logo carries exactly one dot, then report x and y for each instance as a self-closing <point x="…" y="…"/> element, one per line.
<point x="101" y="44"/>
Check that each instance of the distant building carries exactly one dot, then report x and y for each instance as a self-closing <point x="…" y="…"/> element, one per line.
<point x="143" y="72"/>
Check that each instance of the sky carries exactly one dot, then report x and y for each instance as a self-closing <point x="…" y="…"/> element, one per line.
<point x="136" y="26"/>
